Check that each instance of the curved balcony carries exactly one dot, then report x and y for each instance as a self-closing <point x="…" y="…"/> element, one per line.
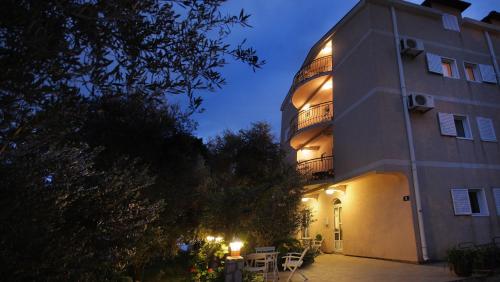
<point x="310" y="79"/>
<point x="316" y="118"/>
<point x="316" y="169"/>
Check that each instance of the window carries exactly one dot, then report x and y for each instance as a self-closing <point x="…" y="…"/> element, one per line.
<point x="486" y="129"/>
<point x="450" y="22"/>
<point x="469" y="202"/>
<point x="449" y="68"/>
<point x="454" y="125"/>
<point x="446" y="67"/>
<point x="472" y="72"/>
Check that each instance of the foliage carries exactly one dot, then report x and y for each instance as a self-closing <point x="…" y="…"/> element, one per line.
<point x="255" y="193"/>
<point x="208" y="261"/>
<point x="319" y="237"/>
<point x="52" y="50"/>
<point x="249" y="276"/>
<point x="460" y="261"/>
<point x="54" y="200"/>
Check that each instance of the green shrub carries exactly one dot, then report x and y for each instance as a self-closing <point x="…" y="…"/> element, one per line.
<point x="461" y="261"/>
<point x="292" y="245"/>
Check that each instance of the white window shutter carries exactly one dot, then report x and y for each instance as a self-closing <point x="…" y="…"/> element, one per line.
<point x="455" y="70"/>
<point x="447" y="124"/>
<point x="486" y="129"/>
<point x="496" y="195"/>
<point x="461" y="201"/>
<point x="488" y="73"/>
<point x="450" y="22"/>
<point x="434" y="63"/>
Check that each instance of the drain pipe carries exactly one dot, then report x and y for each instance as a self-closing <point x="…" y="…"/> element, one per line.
<point x="409" y="135"/>
<point x="492" y="54"/>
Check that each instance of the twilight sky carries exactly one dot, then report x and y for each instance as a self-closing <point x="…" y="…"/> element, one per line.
<point x="283" y="32"/>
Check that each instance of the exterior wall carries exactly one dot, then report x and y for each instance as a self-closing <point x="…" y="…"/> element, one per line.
<point x="370" y="137"/>
<point x="372" y="207"/>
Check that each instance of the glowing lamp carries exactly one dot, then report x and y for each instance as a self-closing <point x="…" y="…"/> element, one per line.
<point x="327" y="85"/>
<point x="330" y="191"/>
<point x="305" y="200"/>
<point x="210" y="238"/>
<point x="235" y="248"/>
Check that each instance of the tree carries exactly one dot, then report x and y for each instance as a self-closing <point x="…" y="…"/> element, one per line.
<point x="255" y="192"/>
<point x="64" y="220"/>
<point x="53" y="49"/>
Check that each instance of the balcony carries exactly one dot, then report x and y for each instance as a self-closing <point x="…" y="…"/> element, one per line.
<point x="316" y="169"/>
<point x="310" y="79"/>
<point x="316" y="118"/>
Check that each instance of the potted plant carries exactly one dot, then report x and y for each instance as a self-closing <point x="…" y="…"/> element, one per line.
<point x="461" y="261"/>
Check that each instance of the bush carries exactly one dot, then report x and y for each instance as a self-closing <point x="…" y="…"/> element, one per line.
<point x="460" y="261"/>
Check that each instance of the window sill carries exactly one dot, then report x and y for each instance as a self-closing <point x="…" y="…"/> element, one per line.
<point x="474" y="81"/>
<point x="452" y="77"/>
<point x="480" y="214"/>
<point x="466" y="138"/>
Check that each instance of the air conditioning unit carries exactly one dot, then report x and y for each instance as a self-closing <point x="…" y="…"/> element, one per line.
<point x="411" y="46"/>
<point x="420" y="102"/>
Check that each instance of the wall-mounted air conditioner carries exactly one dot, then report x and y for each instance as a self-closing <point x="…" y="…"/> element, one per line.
<point x="420" y="102"/>
<point x="411" y="47"/>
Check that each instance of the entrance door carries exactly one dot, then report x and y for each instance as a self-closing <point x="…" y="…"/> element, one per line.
<point x="337" y="226"/>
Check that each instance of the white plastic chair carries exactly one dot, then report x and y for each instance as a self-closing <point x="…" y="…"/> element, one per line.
<point x="316" y="246"/>
<point x="256" y="263"/>
<point x="292" y="262"/>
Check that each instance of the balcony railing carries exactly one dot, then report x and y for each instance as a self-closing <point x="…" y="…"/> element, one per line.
<point x="313" y="115"/>
<point x="316" y="169"/>
<point x="319" y="65"/>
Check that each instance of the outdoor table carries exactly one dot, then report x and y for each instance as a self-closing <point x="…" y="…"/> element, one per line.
<point x="269" y="263"/>
<point x="272" y="264"/>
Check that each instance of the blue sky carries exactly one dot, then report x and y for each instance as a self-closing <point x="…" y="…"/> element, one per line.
<point x="283" y="31"/>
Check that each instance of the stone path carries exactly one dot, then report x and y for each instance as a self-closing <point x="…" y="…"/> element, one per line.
<point x="339" y="268"/>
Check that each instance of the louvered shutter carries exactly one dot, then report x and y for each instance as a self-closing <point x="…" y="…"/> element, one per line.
<point x="488" y="73"/>
<point x="461" y="201"/>
<point x="450" y="22"/>
<point x="447" y="124"/>
<point x="434" y="63"/>
<point x="496" y="195"/>
<point x="486" y="129"/>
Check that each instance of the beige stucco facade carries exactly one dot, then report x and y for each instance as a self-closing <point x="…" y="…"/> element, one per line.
<point x="393" y="170"/>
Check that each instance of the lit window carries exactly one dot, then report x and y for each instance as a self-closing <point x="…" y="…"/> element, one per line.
<point x="462" y="126"/>
<point x="471" y="72"/>
<point x="447" y="68"/>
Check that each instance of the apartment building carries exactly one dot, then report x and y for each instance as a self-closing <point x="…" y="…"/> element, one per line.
<point x="394" y="120"/>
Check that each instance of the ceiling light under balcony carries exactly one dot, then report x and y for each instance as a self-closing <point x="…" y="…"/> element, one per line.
<point x="304" y="200"/>
<point x="328" y="85"/>
<point x="310" y="148"/>
<point x="327" y="49"/>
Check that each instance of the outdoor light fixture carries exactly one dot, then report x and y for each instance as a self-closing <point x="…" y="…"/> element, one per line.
<point x="310" y="148"/>
<point x="305" y="200"/>
<point x="210" y="238"/>
<point x="327" y="85"/>
<point x="330" y="191"/>
<point x="235" y="248"/>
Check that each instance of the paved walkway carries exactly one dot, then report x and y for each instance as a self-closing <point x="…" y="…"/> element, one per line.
<point x="339" y="268"/>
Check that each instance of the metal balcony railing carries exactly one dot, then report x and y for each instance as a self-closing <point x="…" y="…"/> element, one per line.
<point x="313" y="115"/>
<point x="316" y="169"/>
<point x="319" y="65"/>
